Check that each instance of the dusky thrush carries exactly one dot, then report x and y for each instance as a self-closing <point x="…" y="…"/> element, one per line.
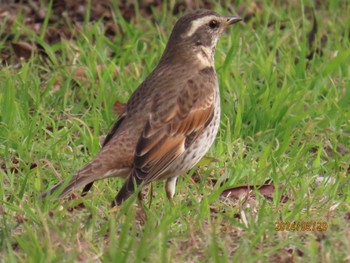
<point x="171" y="119"/>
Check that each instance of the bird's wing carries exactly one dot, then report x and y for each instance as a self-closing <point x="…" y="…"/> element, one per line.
<point x="171" y="128"/>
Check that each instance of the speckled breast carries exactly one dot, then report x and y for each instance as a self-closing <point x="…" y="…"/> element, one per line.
<point x="200" y="147"/>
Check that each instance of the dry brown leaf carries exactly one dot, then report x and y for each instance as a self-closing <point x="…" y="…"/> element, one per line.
<point x="118" y="107"/>
<point x="79" y="73"/>
<point x="341" y="149"/>
<point x="347" y="217"/>
<point x="13" y="167"/>
<point x="266" y="190"/>
<point x="56" y="86"/>
<point x="23" y="49"/>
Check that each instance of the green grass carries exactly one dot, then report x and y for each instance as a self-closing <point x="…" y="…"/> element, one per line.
<point x="284" y="117"/>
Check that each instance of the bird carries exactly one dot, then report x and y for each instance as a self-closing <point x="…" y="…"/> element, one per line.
<point x="172" y="118"/>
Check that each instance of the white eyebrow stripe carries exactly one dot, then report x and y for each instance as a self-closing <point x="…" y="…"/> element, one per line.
<point x="198" y="23"/>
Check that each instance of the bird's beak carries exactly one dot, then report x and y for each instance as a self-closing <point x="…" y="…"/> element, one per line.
<point x="230" y="20"/>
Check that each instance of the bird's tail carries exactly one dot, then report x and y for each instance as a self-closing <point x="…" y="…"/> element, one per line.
<point x="83" y="177"/>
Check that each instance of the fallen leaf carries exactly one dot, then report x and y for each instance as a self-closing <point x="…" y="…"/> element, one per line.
<point x="51" y="214"/>
<point x="266" y="190"/>
<point x="23" y="49"/>
<point x="341" y="149"/>
<point x="13" y="166"/>
<point x="282" y="255"/>
<point x="118" y="107"/>
<point x="20" y="218"/>
<point x="347" y="217"/>
<point x="56" y="86"/>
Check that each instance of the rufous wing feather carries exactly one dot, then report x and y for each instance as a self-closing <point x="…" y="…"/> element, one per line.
<point x="166" y="137"/>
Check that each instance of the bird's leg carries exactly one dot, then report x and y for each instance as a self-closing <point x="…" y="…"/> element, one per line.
<point x="170" y="186"/>
<point x="150" y="196"/>
<point x="86" y="189"/>
<point x="139" y="199"/>
<point x="141" y="214"/>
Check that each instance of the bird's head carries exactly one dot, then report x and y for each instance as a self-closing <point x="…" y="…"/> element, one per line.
<point x="196" y="34"/>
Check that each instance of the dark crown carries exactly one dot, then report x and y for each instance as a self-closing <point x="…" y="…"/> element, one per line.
<point x="184" y="23"/>
<point x="193" y="32"/>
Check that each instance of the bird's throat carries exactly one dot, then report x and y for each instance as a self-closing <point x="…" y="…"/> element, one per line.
<point x="205" y="56"/>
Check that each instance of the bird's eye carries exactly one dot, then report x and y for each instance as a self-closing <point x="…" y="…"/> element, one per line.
<point x="213" y="24"/>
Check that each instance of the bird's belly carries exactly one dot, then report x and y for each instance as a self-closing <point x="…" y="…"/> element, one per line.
<point x="198" y="149"/>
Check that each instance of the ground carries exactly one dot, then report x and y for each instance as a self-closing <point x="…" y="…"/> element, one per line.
<point x="273" y="188"/>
